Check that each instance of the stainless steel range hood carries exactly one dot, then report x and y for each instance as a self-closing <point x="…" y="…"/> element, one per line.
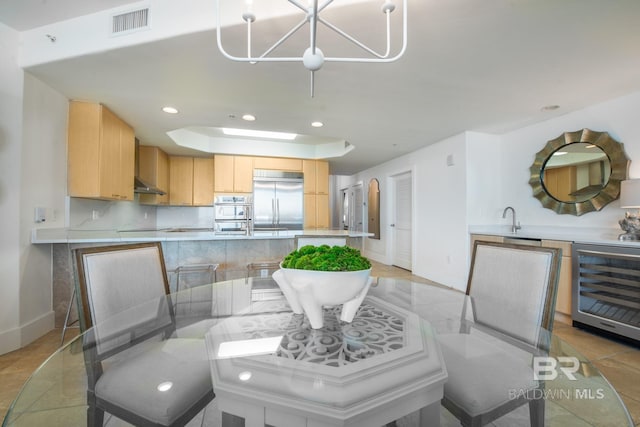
<point x="140" y="186"/>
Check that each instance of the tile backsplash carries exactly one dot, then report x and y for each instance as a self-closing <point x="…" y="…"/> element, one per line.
<point x="89" y="214"/>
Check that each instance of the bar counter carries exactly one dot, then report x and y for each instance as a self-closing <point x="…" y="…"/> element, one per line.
<point x="231" y="252"/>
<point x="66" y="235"/>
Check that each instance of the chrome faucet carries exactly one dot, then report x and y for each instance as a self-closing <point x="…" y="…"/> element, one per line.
<point x="514" y="227"/>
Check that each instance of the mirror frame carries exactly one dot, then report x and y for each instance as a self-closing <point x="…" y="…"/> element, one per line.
<point x="611" y="191"/>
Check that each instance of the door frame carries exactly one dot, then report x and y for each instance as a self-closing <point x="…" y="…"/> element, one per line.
<point x="390" y="210"/>
<point x="349" y="191"/>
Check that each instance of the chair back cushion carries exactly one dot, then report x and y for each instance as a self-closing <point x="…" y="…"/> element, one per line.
<point x="513" y="288"/>
<point x="123" y="292"/>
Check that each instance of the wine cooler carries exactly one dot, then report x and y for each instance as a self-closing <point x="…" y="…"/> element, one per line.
<point x="606" y="289"/>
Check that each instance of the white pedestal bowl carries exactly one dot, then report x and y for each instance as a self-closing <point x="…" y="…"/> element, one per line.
<point x="307" y="291"/>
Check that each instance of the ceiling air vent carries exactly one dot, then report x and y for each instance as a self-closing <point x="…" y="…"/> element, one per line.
<point x="130" y="21"/>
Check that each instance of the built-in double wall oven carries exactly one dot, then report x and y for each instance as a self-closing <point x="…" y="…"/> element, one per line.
<point x="232" y="214"/>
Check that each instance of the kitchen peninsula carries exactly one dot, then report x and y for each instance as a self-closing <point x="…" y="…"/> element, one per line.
<point x="183" y="246"/>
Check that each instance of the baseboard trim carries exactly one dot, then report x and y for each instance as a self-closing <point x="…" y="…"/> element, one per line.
<point x="17" y="338"/>
<point x="38" y="327"/>
<point x="9" y="341"/>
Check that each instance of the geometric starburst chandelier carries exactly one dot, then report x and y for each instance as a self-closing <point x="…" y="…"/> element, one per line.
<point x="313" y="57"/>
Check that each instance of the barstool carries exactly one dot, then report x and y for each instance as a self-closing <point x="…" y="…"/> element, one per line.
<point x="263" y="287"/>
<point x="195" y="269"/>
<point x="66" y="324"/>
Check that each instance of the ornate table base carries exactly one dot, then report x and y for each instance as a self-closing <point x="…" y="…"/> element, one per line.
<point x="384" y="365"/>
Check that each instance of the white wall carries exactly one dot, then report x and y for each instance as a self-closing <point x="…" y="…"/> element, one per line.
<point x="440" y="212"/>
<point x="42" y="184"/>
<point x="489" y="172"/>
<point x="33" y="121"/>
<point x="439" y="243"/>
<point x="11" y="82"/>
<point x="618" y="117"/>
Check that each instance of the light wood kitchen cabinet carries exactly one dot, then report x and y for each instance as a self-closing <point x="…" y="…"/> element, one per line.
<point x="316" y="193"/>
<point x="243" y="174"/>
<point x="180" y="181"/>
<point x="278" y="163"/>
<point x="316" y="211"/>
<point x="233" y="174"/>
<point x="309" y="173"/>
<point x="154" y="170"/>
<point x="224" y="173"/>
<point x="563" y="299"/>
<point x="191" y="181"/>
<point x="203" y="172"/>
<point x="310" y="211"/>
<point x="322" y="177"/>
<point x="100" y="153"/>
<point x="316" y="176"/>
<point x="322" y="209"/>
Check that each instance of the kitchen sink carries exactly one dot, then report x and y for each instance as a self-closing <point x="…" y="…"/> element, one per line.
<point x="183" y="230"/>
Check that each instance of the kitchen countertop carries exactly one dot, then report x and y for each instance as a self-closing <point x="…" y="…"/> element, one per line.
<point x="65" y="235"/>
<point x="591" y="235"/>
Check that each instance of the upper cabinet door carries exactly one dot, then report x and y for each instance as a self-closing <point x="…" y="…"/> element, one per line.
<point x="203" y="181"/>
<point x="278" y="163"/>
<point x="154" y="169"/>
<point x="309" y="172"/>
<point x="223" y="171"/>
<point x="100" y="153"/>
<point x="243" y="174"/>
<point x="180" y="181"/>
<point x="127" y="161"/>
<point x="322" y="177"/>
<point x="316" y="176"/>
<point x="233" y="174"/>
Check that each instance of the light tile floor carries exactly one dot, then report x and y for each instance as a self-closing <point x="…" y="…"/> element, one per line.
<point x="619" y="362"/>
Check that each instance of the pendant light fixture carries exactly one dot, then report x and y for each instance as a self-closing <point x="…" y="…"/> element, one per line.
<point x="313" y="57"/>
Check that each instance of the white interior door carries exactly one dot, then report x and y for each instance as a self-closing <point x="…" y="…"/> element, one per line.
<point x="401" y="224"/>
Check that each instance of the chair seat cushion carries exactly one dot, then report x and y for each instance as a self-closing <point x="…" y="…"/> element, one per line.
<point x="484" y="375"/>
<point x="161" y="383"/>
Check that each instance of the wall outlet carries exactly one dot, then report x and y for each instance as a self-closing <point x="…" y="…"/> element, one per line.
<point x="95" y="215"/>
<point x="40" y="215"/>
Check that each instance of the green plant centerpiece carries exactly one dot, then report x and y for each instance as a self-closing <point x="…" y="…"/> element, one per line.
<point x="326" y="258"/>
<point x="316" y="276"/>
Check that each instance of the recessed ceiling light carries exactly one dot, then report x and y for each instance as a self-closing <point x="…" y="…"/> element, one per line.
<point x="165" y="386"/>
<point x="258" y="133"/>
<point x="317" y="124"/>
<point x="249" y="117"/>
<point x="170" y="110"/>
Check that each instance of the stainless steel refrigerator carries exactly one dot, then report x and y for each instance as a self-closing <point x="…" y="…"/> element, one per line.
<point x="278" y="200"/>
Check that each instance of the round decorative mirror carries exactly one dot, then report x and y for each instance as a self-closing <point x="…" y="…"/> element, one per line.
<point x="579" y="172"/>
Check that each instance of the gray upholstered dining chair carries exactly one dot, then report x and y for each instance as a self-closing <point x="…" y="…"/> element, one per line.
<point x="507" y="320"/>
<point x="131" y="353"/>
